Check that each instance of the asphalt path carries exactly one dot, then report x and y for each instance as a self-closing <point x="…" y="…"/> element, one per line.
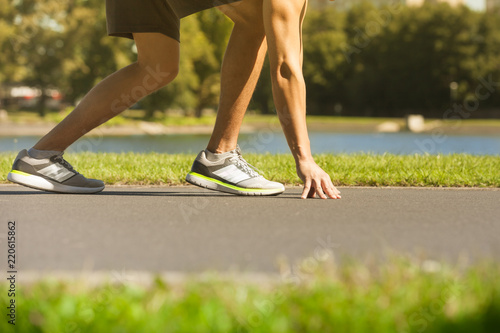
<point x="187" y="229"/>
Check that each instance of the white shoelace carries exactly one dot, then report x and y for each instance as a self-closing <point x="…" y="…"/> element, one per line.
<point x="239" y="161"/>
<point x="59" y="159"/>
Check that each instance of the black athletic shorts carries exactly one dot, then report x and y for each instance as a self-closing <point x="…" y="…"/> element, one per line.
<point x="125" y="17"/>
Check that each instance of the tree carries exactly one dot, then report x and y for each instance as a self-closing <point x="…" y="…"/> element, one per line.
<point x="93" y="54"/>
<point x="374" y="61"/>
<point x="216" y="28"/>
<point x="198" y="83"/>
<point x="39" y="46"/>
<point x="262" y="98"/>
<point x="60" y="44"/>
<point x="324" y="59"/>
<point x="8" y="67"/>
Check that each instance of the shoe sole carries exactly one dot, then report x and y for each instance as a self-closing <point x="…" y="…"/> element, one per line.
<point x="43" y="184"/>
<point x="216" y="185"/>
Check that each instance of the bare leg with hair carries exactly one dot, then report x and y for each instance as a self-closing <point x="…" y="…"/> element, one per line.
<point x="282" y="28"/>
<point x="220" y="167"/>
<point x="157" y="65"/>
<point x="241" y="68"/>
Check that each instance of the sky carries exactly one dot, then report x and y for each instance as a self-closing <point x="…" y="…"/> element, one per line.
<point x="476" y="4"/>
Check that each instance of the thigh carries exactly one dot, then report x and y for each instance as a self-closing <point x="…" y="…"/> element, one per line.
<point x="184" y="8"/>
<point x="126" y="17"/>
<point x="156" y="49"/>
<point x="247" y="11"/>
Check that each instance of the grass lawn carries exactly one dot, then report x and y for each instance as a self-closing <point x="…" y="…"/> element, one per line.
<point x="131" y="117"/>
<point x="397" y="296"/>
<point x="458" y="170"/>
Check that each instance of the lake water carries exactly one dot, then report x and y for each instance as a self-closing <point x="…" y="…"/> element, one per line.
<point x="262" y="142"/>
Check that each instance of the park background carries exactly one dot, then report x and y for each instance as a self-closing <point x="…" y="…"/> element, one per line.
<point x="360" y="59"/>
<point x="365" y="61"/>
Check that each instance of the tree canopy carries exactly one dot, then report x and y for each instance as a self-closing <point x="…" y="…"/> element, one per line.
<point x="366" y="60"/>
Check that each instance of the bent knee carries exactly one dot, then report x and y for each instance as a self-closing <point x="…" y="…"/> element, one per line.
<point x="158" y="56"/>
<point x="158" y="71"/>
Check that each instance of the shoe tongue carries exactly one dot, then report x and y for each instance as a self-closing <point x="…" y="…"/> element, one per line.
<point x="58" y="156"/>
<point x="216" y="157"/>
<point x="236" y="151"/>
<point x="41" y="154"/>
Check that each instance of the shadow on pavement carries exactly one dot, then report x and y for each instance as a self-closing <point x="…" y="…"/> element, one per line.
<point x="25" y="192"/>
<point x="152" y="194"/>
<point x="162" y="194"/>
<point x="194" y="194"/>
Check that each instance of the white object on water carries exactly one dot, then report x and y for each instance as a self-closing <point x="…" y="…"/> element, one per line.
<point x="415" y="123"/>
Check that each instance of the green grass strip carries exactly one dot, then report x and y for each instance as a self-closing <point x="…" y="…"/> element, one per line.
<point x="458" y="170"/>
<point x="398" y="296"/>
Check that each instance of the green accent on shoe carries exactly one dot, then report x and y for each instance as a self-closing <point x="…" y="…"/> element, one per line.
<point x="231" y="186"/>
<point x="20" y="173"/>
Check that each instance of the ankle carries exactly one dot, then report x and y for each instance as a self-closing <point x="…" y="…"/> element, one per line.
<point x="39" y="153"/>
<point x="221" y="148"/>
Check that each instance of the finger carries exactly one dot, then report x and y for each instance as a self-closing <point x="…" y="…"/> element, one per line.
<point x="337" y="192"/>
<point x="319" y="190"/>
<point x="312" y="192"/>
<point x="332" y="190"/>
<point x="329" y="184"/>
<point x="328" y="188"/>
<point x="307" y="189"/>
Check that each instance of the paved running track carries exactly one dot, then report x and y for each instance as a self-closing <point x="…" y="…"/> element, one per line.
<point x="187" y="229"/>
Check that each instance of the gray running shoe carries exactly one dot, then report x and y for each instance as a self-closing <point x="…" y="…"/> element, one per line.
<point x="229" y="172"/>
<point x="51" y="174"/>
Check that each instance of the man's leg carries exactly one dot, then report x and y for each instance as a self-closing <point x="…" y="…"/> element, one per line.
<point x="157" y="65"/>
<point x="226" y="170"/>
<point x="241" y="68"/>
<point x="43" y="166"/>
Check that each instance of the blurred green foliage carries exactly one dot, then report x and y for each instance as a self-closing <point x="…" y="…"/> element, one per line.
<point x="393" y="60"/>
<point x="364" y="61"/>
<point x="401" y="295"/>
